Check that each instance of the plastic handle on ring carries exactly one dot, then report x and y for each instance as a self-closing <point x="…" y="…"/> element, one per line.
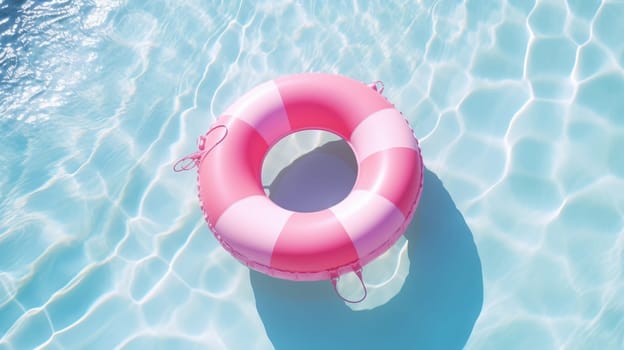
<point x="377" y="85"/>
<point x="358" y="272"/>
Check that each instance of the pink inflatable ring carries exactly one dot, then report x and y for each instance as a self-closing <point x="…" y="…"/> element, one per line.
<point x="308" y="245"/>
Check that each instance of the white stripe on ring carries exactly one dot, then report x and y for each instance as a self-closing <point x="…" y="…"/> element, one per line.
<point x="252" y="225"/>
<point x="382" y="130"/>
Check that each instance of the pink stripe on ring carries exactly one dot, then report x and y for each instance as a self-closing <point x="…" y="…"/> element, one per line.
<point x="383" y="173"/>
<point x="232" y="170"/>
<point x="313" y="242"/>
<point x="316" y="101"/>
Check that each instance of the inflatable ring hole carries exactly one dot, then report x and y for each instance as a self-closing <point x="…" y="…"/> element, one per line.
<point x="309" y="171"/>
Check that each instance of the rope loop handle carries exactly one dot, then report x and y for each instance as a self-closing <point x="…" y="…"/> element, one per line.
<point x="358" y="272"/>
<point x="192" y="160"/>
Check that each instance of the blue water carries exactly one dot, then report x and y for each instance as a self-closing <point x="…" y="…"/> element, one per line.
<point x="518" y="242"/>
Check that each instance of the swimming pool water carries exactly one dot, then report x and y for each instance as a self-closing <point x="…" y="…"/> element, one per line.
<point x="518" y="105"/>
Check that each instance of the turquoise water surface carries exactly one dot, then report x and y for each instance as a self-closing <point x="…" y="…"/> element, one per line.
<point x="518" y="242"/>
